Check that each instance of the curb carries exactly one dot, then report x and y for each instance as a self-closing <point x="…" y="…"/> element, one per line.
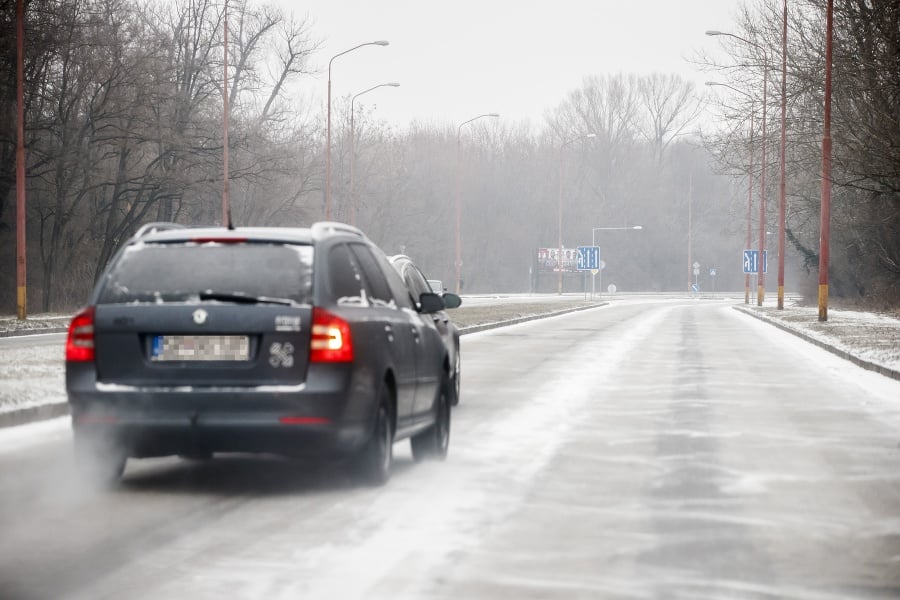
<point x="33" y="414"/>
<point x="517" y="320"/>
<point x="21" y="332"/>
<point x="869" y="366"/>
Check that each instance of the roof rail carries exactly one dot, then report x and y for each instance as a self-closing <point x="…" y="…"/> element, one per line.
<point x="149" y="228"/>
<point x="326" y="226"/>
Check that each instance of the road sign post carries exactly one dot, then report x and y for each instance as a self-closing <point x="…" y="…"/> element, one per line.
<point x="589" y="260"/>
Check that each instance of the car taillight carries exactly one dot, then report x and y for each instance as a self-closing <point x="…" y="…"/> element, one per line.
<point x="80" y="343"/>
<point x="330" y="340"/>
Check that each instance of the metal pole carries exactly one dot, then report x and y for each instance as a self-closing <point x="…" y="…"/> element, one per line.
<point x="328" y="150"/>
<point x="226" y="211"/>
<point x="690" y="226"/>
<point x="749" y="208"/>
<point x="328" y="127"/>
<point x="593" y="275"/>
<point x="352" y="152"/>
<point x="825" y="225"/>
<point x="458" y="255"/>
<point x="559" y="258"/>
<point x="21" y="284"/>
<point x="782" y="202"/>
<point x="458" y="261"/>
<point x="353" y="144"/>
<point x="761" y="277"/>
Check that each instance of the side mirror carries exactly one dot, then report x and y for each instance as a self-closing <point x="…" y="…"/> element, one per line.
<point x="430" y="303"/>
<point x="451" y="300"/>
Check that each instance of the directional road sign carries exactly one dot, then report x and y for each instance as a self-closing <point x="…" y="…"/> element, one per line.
<point x="751" y="261"/>
<point x="588" y="258"/>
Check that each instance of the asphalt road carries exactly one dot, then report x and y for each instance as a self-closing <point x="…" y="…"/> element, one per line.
<point x="658" y="449"/>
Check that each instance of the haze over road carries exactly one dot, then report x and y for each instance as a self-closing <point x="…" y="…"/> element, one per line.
<point x="646" y="449"/>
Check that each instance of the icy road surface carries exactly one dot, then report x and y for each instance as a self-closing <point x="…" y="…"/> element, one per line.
<point x="641" y="450"/>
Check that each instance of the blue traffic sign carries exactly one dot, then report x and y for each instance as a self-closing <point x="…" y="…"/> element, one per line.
<point x="588" y="258"/>
<point x="751" y="261"/>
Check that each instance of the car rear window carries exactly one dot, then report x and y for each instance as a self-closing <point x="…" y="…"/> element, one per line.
<point x="176" y="272"/>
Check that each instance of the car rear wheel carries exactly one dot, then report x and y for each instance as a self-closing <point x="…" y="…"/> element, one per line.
<point x="457" y="384"/>
<point x="99" y="460"/>
<point x="435" y="441"/>
<point x="372" y="465"/>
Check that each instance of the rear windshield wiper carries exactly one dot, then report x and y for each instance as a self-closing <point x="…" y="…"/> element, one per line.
<point x="244" y="298"/>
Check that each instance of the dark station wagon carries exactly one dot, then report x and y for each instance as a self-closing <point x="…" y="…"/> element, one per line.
<point x="290" y="341"/>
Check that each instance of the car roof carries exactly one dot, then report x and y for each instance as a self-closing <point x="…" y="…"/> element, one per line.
<point x="170" y="232"/>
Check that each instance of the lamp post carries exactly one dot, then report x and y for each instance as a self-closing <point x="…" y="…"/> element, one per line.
<point x="782" y="201"/>
<point x="760" y="280"/>
<point x="458" y="261"/>
<point x="594" y="230"/>
<point x="749" y="185"/>
<point x="559" y="262"/>
<point x="328" y="126"/>
<point x="352" y="138"/>
<point x="21" y="281"/>
<point x="825" y="216"/>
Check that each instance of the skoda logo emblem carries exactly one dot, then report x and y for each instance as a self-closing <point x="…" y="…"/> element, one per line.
<point x="200" y="316"/>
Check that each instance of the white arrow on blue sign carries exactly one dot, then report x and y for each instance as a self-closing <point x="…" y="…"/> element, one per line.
<point x="751" y="261"/>
<point x="588" y="258"/>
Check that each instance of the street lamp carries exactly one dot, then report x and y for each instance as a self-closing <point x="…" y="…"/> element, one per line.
<point x="825" y="211"/>
<point x="352" y="137"/>
<point x="559" y="263"/>
<point x="458" y="261"/>
<point x="749" y="186"/>
<point x="594" y="230"/>
<point x="760" y="280"/>
<point x="21" y="280"/>
<point x="782" y="201"/>
<point x="328" y="126"/>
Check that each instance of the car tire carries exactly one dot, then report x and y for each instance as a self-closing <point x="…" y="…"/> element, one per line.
<point x="372" y="465"/>
<point x="457" y="382"/>
<point x="99" y="460"/>
<point x="434" y="442"/>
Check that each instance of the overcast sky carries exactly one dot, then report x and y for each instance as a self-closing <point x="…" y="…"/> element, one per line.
<point x="455" y="60"/>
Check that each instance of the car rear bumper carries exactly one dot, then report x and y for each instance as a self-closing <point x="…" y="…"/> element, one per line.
<point x="304" y="420"/>
<point x="150" y="435"/>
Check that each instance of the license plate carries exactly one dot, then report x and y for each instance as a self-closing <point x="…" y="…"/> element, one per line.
<point x="200" y="347"/>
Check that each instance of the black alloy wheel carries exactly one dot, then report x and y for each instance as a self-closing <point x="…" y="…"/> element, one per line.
<point x="434" y="442"/>
<point x="372" y="465"/>
<point x="457" y="383"/>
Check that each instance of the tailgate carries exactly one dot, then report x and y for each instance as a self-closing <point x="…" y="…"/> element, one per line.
<point x="205" y="344"/>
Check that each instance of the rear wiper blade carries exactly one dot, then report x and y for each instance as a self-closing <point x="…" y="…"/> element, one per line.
<point x="244" y="298"/>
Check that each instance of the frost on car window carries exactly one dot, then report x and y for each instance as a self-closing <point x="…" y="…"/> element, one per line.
<point x="175" y="272"/>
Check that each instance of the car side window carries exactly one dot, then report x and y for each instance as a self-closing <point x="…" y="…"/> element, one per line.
<point x="379" y="290"/>
<point x="345" y="278"/>
<point x="402" y="293"/>
<point x="410" y="276"/>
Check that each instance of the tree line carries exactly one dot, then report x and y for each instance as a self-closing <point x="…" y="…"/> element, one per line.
<point x="124" y="109"/>
<point x="865" y="129"/>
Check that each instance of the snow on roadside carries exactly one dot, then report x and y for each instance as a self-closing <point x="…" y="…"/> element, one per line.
<point x="31" y="375"/>
<point x="871" y="337"/>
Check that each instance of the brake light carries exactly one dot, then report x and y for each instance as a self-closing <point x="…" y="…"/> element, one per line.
<point x="330" y="340"/>
<point x="80" y="342"/>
